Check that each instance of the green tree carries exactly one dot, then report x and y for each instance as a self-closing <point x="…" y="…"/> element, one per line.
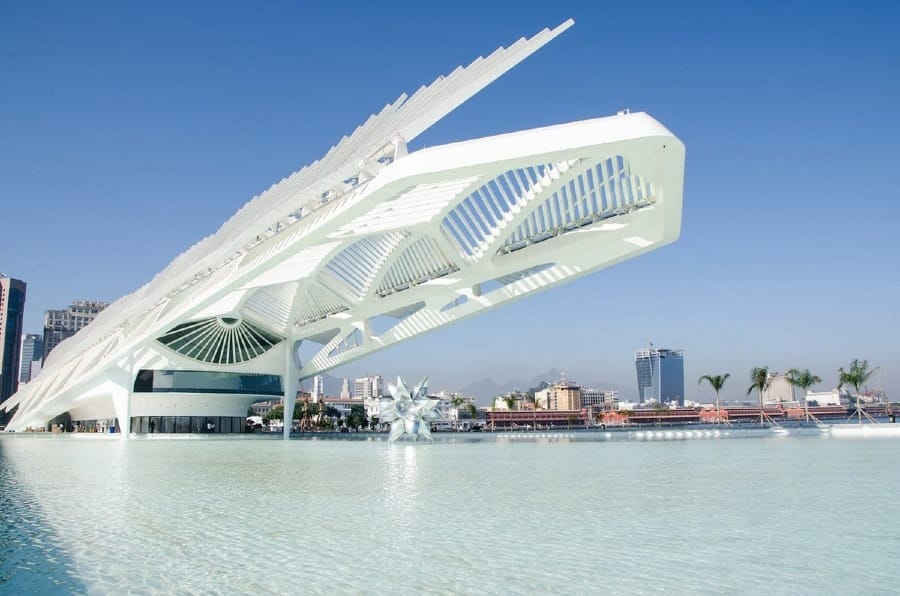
<point x="716" y="382"/>
<point x="357" y="417"/>
<point x="305" y="412"/>
<point x="760" y="377"/>
<point x="804" y="380"/>
<point x="510" y="401"/>
<point x="276" y="413"/>
<point x="456" y="401"/>
<point x="320" y="420"/>
<point x="856" y="376"/>
<point x="472" y="410"/>
<point x="331" y="417"/>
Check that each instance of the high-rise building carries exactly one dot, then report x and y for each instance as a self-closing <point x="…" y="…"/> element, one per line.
<point x="562" y="395"/>
<point x="368" y="386"/>
<point x="345" y="389"/>
<point x="12" y="311"/>
<point x="62" y="324"/>
<point x="660" y="375"/>
<point x="318" y="389"/>
<point x="32" y="351"/>
<point x="568" y="395"/>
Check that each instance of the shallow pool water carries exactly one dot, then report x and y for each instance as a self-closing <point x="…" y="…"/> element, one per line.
<point x="804" y="514"/>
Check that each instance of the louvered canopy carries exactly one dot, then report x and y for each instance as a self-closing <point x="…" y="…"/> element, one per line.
<point x="219" y="340"/>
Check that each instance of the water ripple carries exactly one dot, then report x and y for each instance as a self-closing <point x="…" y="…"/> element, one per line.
<point x="780" y="516"/>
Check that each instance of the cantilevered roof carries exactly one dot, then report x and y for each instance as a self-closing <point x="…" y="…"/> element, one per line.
<point x="370" y="245"/>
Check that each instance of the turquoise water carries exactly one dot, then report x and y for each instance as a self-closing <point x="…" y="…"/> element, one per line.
<point x="779" y="515"/>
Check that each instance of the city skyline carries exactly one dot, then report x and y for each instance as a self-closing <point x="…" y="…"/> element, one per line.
<point x="788" y="223"/>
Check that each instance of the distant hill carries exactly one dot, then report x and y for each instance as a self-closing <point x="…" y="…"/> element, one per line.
<point x="485" y="389"/>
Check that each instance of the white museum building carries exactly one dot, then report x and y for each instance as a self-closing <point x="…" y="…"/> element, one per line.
<point x="369" y="246"/>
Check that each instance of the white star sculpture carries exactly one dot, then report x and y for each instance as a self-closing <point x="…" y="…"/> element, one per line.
<point x="410" y="413"/>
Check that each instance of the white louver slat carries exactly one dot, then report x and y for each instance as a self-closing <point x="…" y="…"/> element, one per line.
<point x="352" y="270"/>
<point x="219" y="340"/>
<point x="316" y="304"/>
<point x="422" y="260"/>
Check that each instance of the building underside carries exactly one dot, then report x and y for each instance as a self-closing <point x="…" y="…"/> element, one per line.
<point x="365" y="248"/>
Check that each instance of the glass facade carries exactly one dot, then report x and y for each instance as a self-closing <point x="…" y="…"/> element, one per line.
<point x="660" y="375"/>
<point x="199" y="381"/>
<point x="12" y="312"/>
<point x="188" y="424"/>
<point x="32" y="349"/>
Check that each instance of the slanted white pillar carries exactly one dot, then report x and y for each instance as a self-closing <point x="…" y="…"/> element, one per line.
<point x="290" y="380"/>
<point x="121" y="397"/>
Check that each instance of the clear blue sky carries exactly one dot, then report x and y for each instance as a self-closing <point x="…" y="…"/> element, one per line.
<point x="128" y="132"/>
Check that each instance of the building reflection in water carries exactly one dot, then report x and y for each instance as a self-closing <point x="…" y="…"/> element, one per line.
<point x="401" y="489"/>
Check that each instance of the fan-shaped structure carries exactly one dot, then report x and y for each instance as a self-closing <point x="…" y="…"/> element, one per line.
<point x="219" y="340"/>
<point x="367" y="247"/>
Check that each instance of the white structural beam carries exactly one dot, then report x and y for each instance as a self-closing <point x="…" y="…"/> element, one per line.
<point x="371" y="246"/>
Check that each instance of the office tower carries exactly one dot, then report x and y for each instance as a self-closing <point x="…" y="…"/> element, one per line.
<point x="369" y="386"/>
<point x="660" y="375"/>
<point x="12" y="311"/>
<point x="567" y="395"/>
<point x="32" y="351"/>
<point x="62" y="324"/>
<point x="318" y="389"/>
<point x="345" y="389"/>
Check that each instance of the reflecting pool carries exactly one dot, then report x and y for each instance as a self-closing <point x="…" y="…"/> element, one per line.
<point x="807" y="514"/>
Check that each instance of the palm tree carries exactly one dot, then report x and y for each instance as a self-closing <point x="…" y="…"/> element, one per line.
<point x="717" y="382"/>
<point x="530" y="397"/>
<point x="760" y="377"/>
<point x="804" y="380"/>
<point x="456" y="401"/>
<point x="856" y="377"/>
<point x="309" y="415"/>
<point x="473" y="412"/>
